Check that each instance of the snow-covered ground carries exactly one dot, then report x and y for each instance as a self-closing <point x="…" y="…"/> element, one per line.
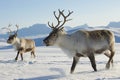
<point x="2" y="44"/>
<point x="52" y="64"/>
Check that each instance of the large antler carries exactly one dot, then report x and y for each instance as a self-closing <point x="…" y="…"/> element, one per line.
<point x="8" y="28"/>
<point x="65" y="17"/>
<point x="58" y="25"/>
<point x="17" y="29"/>
<point x="58" y="20"/>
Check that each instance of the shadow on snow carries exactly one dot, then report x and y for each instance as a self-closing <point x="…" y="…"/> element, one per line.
<point x="48" y="77"/>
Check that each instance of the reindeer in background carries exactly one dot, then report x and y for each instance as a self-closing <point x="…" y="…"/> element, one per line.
<point x="81" y="43"/>
<point x="20" y="44"/>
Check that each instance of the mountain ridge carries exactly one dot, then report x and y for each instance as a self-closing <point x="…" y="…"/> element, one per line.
<point x="38" y="32"/>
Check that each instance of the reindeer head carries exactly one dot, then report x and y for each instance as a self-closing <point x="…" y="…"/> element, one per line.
<point x="58" y="29"/>
<point x="12" y="36"/>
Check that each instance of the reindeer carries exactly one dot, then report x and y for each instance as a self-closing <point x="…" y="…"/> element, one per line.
<point x="20" y="44"/>
<point x="81" y="43"/>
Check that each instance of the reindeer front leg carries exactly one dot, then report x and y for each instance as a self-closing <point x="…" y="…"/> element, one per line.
<point x="92" y="60"/>
<point x="75" y="61"/>
<point x="17" y="55"/>
<point x="21" y="52"/>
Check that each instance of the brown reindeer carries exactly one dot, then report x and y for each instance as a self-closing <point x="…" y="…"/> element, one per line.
<point x="20" y="44"/>
<point x="81" y="43"/>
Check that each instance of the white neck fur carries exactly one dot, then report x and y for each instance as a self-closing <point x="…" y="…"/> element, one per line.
<point x="16" y="42"/>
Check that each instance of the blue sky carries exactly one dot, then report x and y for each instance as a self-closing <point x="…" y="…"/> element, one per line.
<point x="28" y="12"/>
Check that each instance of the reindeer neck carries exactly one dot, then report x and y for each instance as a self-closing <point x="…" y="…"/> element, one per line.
<point x="60" y="35"/>
<point x="17" y="41"/>
<point x="64" y="40"/>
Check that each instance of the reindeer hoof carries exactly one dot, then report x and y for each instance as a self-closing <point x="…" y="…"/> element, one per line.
<point x="95" y="70"/>
<point x="71" y="71"/>
<point x="16" y="59"/>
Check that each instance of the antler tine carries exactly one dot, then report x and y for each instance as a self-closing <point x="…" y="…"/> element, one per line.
<point x="10" y="31"/>
<point x="58" y="18"/>
<point x="17" y="29"/>
<point x="65" y="17"/>
<point x="50" y="25"/>
<point x="61" y="11"/>
<point x="58" y="25"/>
<point x="55" y="15"/>
<point x="7" y="28"/>
<point x="70" y="12"/>
<point x="9" y="25"/>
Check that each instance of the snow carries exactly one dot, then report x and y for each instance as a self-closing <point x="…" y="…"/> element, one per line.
<point x="3" y="44"/>
<point x="53" y="64"/>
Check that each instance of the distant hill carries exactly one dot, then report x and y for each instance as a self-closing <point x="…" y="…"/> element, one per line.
<point x="38" y="32"/>
<point x="114" y="24"/>
<point x="33" y="30"/>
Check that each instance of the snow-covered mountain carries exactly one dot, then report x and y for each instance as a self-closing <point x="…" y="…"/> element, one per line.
<point x="33" y="30"/>
<point x="37" y="32"/>
<point x="114" y="24"/>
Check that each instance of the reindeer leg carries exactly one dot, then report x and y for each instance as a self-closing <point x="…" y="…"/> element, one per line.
<point x="108" y="55"/>
<point x="110" y="60"/>
<point x="17" y="56"/>
<point x="21" y="56"/>
<point x="92" y="60"/>
<point x="21" y="53"/>
<point x="75" y="61"/>
<point x="33" y="53"/>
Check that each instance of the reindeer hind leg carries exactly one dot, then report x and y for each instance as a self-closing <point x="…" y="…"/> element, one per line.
<point x="33" y="54"/>
<point x="110" y="59"/>
<point x="21" y="56"/>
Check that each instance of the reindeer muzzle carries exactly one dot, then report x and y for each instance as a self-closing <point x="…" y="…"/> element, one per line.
<point x="8" y="41"/>
<point x="46" y="42"/>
